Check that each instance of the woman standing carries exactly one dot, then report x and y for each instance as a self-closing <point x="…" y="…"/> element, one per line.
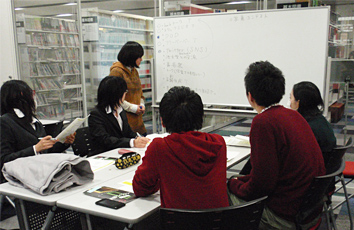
<point x="129" y="58"/>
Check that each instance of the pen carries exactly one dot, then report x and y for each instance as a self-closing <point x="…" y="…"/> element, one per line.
<point x="138" y="134"/>
<point x="52" y="139"/>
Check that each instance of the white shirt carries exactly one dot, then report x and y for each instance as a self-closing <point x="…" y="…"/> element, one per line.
<point x="119" y="120"/>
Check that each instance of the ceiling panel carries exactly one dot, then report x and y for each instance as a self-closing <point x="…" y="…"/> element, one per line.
<point x="139" y="7"/>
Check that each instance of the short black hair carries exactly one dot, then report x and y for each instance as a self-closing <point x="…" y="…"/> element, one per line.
<point x="17" y="94"/>
<point x="129" y="53"/>
<point x="110" y="92"/>
<point x="181" y="110"/>
<point x="311" y="103"/>
<point x="265" y="82"/>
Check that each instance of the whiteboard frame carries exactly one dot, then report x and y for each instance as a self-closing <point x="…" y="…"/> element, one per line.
<point x="325" y="81"/>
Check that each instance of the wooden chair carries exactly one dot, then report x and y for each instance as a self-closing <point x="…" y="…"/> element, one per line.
<point x="82" y="145"/>
<point x="241" y="217"/>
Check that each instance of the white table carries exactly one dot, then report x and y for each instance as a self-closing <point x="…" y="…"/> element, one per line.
<point x="136" y="210"/>
<point x="133" y="212"/>
<point x="51" y="122"/>
<point x="100" y="177"/>
<point x="74" y="199"/>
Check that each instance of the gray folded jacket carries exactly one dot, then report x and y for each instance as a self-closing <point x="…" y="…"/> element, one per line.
<point x="48" y="173"/>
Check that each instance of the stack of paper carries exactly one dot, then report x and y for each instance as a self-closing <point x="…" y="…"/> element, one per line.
<point x="238" y="140"/>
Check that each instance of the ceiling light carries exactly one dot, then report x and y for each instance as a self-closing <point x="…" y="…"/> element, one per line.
<point x="71" y="4"/>
<point x="118" y="11"/>
<point x="241" y="2"/>
<point x="64" y="15"/>
<point x="19" y="8"/>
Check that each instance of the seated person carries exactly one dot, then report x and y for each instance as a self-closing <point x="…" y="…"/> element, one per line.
<point x="189" y="167"/>
<point x="285" y="156"/>
<point x="108" y="122"/>
<point x="20" y="129"/>
<point x="306" y="99"/>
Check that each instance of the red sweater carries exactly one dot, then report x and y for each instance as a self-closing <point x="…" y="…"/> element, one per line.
<point x="188" y="168"/>
<point x="285" y="157"/>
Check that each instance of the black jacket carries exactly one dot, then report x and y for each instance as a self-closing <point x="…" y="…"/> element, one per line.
<point x="106" y="133"/>
<point x="18" y="137"/>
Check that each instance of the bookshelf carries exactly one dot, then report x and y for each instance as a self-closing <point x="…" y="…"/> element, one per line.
<point x="340" y="37"/>
<point x="104" y="33"/>
<point x="50" y="64"/>
<point x="338" y="70"/>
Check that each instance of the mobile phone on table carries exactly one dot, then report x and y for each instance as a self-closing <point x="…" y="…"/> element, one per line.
<point x="110" y="203"/>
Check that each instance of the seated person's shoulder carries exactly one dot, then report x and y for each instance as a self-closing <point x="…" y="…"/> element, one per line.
<point x="217" y="137"/>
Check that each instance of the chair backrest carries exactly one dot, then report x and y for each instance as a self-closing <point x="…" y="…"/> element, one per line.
<point x="82" y="145"/>
<point x="312" y="204"/>
<point x="54" y="129"/>
<point x="335" y="159"/>
<point x="242" y="217"/>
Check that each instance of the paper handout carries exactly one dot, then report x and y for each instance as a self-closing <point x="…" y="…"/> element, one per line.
<point x="72" y="127"/>
<point x="239" y="140"/>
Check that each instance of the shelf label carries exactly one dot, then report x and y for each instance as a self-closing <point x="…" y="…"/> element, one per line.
<point x="90" y="28"/>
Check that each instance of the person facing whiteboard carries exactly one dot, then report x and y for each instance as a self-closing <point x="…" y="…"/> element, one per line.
<point x="285" y="156"/>
<point x="108" y="124"/>
<point x="306" y="99"/>
<point x="188" y="166"/>
<point x="129" y="58"/>
<point x="20" y="128"/>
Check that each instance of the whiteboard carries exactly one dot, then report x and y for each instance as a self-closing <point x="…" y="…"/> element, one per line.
<point x="210" y="53"/>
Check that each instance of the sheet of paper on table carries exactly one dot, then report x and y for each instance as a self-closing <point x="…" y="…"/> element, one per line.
<point x="100" y="162"/>
<point x="238" y="140"/>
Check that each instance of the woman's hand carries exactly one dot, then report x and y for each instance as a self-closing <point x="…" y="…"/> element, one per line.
<point x="70" y="139"/>
<point x="140" y="110"/>
<point x="140" y="142"/>
<point x="46" y="143"/>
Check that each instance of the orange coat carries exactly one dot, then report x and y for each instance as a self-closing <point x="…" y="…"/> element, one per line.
<point x="134" y="95"/>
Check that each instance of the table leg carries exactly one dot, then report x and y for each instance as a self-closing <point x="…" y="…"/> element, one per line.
<point x="21" y="214"/>
<point x="49" y="218"/>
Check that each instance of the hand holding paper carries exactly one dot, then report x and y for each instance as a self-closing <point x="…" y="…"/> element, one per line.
<point x="72" y="127"/>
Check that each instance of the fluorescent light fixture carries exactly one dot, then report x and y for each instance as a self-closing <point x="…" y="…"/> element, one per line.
<point x="19" y="8"/>
<point x="240" y="2"/>
<point x="71" y="4"/>
<point x="118" y="11"/>
<point x="64" y="15"/>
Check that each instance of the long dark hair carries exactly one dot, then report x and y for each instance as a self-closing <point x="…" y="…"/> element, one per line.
<point x="17" y="94"/>
<point x="311" y="103"/>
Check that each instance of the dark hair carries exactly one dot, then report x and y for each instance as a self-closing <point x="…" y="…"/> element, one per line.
<point x="265" y="82"/>
<point x="110" y="92"/>
<point x="129" y="53"/>
<point x="181" y="110"/>
<point x="17" y="94"/>
<point x="311" y="103"/>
